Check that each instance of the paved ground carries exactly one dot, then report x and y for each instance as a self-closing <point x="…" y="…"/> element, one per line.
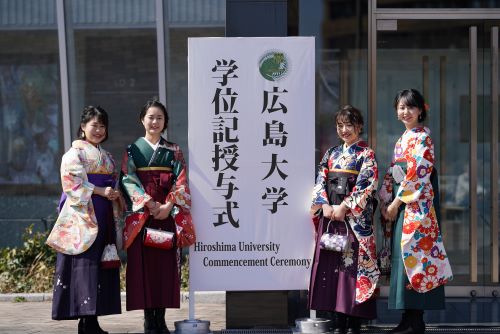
<point x="34" y="317"/>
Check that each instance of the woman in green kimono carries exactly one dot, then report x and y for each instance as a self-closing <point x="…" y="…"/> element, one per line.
<point x="154" y="182"/>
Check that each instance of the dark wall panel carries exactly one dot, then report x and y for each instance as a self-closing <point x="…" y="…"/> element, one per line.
<point x="257" y="18"/>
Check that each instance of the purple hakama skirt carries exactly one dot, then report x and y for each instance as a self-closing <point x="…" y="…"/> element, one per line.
<point x="81" y="287"/>
<point x="334" y="275"/>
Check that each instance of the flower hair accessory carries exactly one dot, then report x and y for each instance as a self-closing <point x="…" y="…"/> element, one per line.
<point x="426" y="107"/>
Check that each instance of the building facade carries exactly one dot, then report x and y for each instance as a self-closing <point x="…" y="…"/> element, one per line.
<point x="57" y="56"/>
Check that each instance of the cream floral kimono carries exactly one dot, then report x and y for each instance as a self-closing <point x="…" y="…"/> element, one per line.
<point x="76" y="227"/>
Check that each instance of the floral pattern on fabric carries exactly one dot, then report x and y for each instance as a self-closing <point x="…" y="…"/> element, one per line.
<point x="76" y="226"/>
<point x="424" y="256"/>
<point x="347" y="264"/>
<point x="131" y="183"/>
<point x="360" y="158"/>
<point x="179" y="195"/>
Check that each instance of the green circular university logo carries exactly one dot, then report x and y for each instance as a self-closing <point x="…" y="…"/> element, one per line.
<point x="273" y="65"/>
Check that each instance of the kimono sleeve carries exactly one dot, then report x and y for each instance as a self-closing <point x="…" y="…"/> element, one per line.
<point x="180" y="194"/>
<point x="385" y="192"/>
<point x="366" y="184"/>
<point x="319" y="195"/>
<point x="74" y="179"/>
<point x="420" y="162"/>
<point x="131" y="184"/>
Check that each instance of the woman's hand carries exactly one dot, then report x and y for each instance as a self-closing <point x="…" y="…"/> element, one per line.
<point x="327" y="211"/>
<point x="163" y="211"/>
<point x="153" y="207"/>
<point x="111" y="194"/>
<point x="339" y="212"/>
<point x="391" y="212"/>
<point x="383" y="211"/>
<point x="107" y="192"/>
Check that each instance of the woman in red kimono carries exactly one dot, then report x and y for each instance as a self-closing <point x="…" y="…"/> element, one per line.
<point x="154" y="182"/>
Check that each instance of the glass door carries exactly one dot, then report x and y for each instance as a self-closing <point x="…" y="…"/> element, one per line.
<point x="454" y="64"/>
<point x="488" y="135"/>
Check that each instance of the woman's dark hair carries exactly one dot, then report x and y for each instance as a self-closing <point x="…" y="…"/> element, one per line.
<point x="89" y="113"/>
<point x="351" y="114"/>
<point x="157" y="104"/>
<point x="412" y="98"/>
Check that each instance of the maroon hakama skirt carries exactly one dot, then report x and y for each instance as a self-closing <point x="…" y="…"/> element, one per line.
<point x="153" y="274"/>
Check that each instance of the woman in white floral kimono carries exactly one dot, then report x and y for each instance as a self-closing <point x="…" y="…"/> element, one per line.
<point x="420" y="266"/>
<point x="84" y="287"/>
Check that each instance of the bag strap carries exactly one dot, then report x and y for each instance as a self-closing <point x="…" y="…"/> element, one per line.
<point x="346" y="227"/>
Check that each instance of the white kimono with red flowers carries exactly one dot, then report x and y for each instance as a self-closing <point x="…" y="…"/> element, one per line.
<point x="422" y="249"/>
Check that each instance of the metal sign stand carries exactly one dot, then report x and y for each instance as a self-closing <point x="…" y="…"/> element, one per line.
<point x="192" y="325"/>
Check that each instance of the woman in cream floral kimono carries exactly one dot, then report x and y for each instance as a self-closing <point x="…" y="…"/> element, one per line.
<point x="83" y="287"/>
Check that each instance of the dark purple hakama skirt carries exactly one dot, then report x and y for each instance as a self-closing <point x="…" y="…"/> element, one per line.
<point x="81" y="287"/>
<point x="333" y="278"/>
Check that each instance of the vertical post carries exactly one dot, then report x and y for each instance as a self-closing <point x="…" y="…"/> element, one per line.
<point x="191" y="302"/>
<point x="162" y="47"/>
<point x="372" y="74"/>
<point x="242" y="17"/>
<point x="244" y="307"/>
<point x="344" y="81"/>
<point x="494" y="156"/>
<point x="425" y="77"/>
<point x="473" y="154"/>
<point x="442" y="127"/>
<point x="63" y="67"/>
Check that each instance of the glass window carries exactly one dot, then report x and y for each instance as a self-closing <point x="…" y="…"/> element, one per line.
<point x="112" y="62"/>
<point x="340" y="28"/>
<point x="191" y="18"/>
<point x="437" y="63"/>
<point x="30" y="116"/>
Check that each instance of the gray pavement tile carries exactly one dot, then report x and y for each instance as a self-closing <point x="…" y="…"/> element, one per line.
<point x="35" y="317"/>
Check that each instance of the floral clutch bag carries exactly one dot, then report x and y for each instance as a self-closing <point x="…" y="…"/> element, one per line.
<point x="158" y="238"/>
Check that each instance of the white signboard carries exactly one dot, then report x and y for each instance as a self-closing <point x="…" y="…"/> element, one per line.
<point x="251" y="162"/>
